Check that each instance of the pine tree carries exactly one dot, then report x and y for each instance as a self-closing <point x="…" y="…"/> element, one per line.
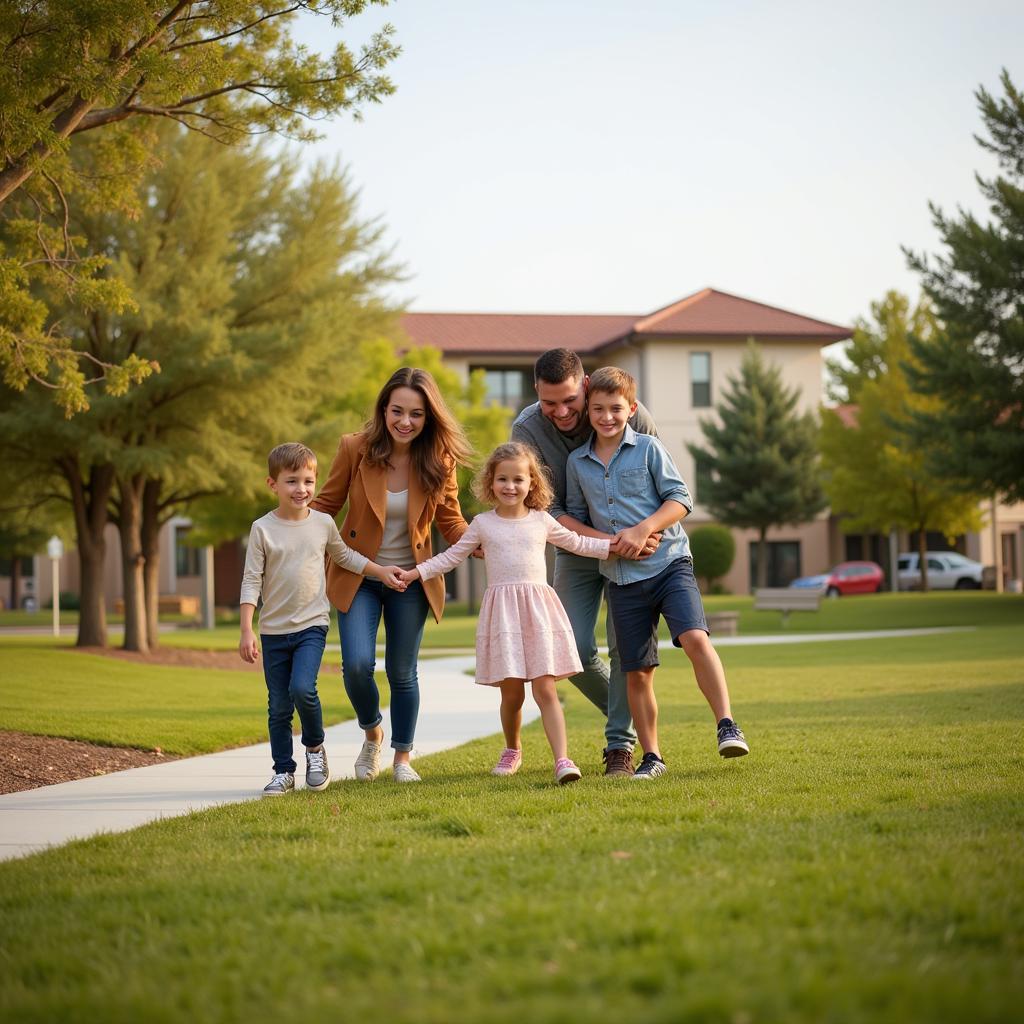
<point x="975" y="437"/>
<point x="762" y="455"/>
<point x="873" y="477"/>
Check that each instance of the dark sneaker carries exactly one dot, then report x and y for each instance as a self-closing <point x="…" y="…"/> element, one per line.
<point x="731" y="741"/>
<point x="280" y="784"/>
<point x="650" y="767"/>
<point x="618" y="761"/>
<point x="318" y="775"/>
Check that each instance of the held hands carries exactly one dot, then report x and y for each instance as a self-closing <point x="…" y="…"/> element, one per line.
<point x="391" y="577"/>
<point x="408" y="576"/>
<point x="635" y="542"/>
<point x="248" y="649"/>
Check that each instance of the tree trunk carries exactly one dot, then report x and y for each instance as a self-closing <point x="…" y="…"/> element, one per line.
<point x="15" y="581"/>
<point x="151" y="553"/>
<point x="922" y="546"/>
<point x="89" y="500"/>
<point x="130" y="528"/>
<point x="762" y="558"/>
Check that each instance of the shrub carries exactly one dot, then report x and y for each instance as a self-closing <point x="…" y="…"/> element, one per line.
<point x="713" y="551"/>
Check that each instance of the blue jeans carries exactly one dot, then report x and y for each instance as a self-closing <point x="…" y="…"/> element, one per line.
<point x="291" y="662"/>
<point x="580" y="587"/>
<point x="405" y="614"/>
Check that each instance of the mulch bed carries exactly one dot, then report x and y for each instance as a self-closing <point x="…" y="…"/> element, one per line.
<point x="28" y="762"/>
<point x="181" y="657"/>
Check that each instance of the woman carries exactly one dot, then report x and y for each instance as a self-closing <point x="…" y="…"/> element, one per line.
<point x="398" y="476"/>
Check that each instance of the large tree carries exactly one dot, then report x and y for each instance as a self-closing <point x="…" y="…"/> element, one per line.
<point x="974" y="435"/>
<point x="226" y="68"/>
<point x="257" y="291"/>
<point x="873" y="477"/>
<point x="762" y="454"/>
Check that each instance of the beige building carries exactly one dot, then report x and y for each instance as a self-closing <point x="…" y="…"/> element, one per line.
<point x="682" y="357"/>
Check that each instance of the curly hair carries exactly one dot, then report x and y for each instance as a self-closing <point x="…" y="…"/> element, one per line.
<point x="540" y="494"/>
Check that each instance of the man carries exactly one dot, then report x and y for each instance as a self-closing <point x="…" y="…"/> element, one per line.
<point x="556" y="425"/>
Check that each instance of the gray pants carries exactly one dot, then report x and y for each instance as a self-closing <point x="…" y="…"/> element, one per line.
<point x="580" y="587"/>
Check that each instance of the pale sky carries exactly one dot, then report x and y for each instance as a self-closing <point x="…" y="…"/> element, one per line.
<point x="611" y="157"/>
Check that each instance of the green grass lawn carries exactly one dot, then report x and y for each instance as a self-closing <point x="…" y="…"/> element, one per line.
<point x="863" y="864"/>
<point x="50" y="690"/>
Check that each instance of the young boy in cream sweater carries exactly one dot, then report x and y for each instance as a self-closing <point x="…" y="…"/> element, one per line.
<point x="284" y="564"/>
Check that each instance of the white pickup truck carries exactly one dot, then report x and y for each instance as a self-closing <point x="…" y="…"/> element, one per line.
<point x="947" y="570"/>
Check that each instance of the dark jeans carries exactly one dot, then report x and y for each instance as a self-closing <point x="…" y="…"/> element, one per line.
<point x="291" y="662"/>
<point x="405" y="614"/>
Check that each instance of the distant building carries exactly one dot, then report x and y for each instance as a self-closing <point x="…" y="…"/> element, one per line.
<point x="682" y="356"/>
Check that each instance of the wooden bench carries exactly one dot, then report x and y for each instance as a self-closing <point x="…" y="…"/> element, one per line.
<point x="788" y="599"/>
<point x="723" y="623"/>
<point x="168" y="604"/>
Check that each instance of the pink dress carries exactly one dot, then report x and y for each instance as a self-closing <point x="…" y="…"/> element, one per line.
<point x="523" y="631"/>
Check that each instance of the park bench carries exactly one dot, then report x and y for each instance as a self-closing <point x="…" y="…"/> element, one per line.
<point x="788" y="599"/>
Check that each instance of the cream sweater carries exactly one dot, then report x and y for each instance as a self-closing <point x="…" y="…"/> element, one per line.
<point x="284" y="563"/>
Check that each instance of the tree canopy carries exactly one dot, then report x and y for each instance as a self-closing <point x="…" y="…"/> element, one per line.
<point x="974" y="435"/>
<point x="225" y="68"/>
<point x="762" y="454"/>
<point x="258" y="290"/>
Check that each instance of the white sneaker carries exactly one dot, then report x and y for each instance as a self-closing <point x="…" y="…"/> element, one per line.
<point x="368" y="761"/>
<point x="406" y="773"/>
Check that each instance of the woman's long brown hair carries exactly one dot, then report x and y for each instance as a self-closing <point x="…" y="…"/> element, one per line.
<point x="438" y="448"/>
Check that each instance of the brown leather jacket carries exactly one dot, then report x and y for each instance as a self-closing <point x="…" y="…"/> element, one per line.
<point x="364" y="487"/>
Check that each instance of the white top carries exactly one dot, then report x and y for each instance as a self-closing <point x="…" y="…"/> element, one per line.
<point x="396" y="545"/>
<point x="284" y="563"/>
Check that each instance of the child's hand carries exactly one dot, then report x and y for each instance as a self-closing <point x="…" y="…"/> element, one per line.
<point x="650" y="546"/>
<point x="409" y="575"/>
<point x="391" y="577"/>
<point x="630" y="543"/>
<point x="248" y="648"/>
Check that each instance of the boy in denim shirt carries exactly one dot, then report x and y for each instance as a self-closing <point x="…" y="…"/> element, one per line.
<point x="627" y="485"/>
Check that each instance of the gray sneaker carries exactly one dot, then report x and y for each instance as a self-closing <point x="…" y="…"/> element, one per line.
<point x="318" y="775"/>
<point x="280" y="784"/>
<point x="368" y="761"/>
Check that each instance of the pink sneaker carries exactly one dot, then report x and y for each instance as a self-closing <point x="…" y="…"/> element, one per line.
<point x="509" y="762"/>
<point x="566" y="771"/>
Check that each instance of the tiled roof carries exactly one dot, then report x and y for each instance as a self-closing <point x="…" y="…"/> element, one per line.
<point x="711" y="312"/>
<point x="707" y="313"/>
<point x="514" y="333"/>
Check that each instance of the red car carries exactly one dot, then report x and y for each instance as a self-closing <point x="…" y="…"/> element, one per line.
<point x="847" y="578"/>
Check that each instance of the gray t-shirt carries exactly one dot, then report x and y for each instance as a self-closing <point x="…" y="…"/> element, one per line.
<point x="532" y="427"/>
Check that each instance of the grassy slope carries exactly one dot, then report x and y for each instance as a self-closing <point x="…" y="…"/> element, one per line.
<point x="863" y="864"/>
<point x="52" y="691"/>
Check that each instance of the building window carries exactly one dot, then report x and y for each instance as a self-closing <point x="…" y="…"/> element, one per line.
<point x="7" y="566"/>
<point x="700" y="379"/>
<point x="186" y="559"/>
<point x="702" y="479"/>
<point x="508" y="386"/>
<point x="783" y="562"/>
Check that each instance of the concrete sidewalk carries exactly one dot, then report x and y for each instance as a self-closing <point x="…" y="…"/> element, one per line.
<point x="453" y="711"/>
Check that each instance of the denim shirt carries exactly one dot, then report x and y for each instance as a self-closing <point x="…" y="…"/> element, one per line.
<point x="638" y="478"/>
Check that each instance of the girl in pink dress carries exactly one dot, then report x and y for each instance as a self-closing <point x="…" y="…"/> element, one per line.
<point x="523" y="633"/>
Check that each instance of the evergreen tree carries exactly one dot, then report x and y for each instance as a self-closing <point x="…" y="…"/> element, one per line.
<point x="873" y="477"/>
<point x="762" y="455"/>
<point x="257" y="291"/>
<point x="974" y="437"/>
